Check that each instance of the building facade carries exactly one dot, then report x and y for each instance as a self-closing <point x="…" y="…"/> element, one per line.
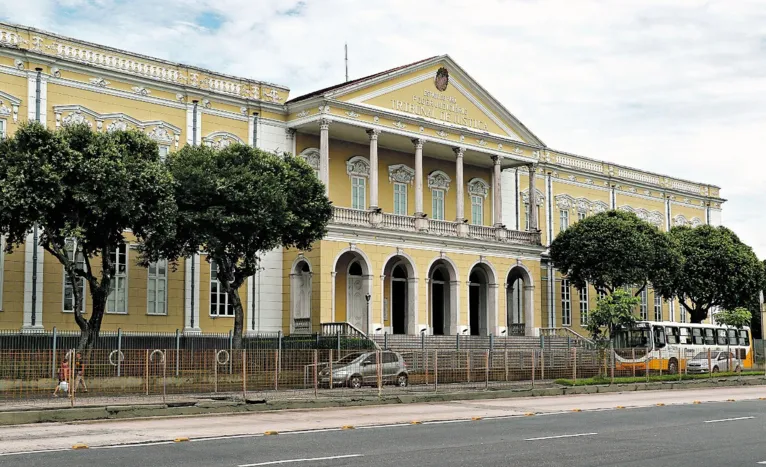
<point x="444" y="201"/>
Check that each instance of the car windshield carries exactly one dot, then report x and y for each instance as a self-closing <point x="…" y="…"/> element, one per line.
<point x="349" y="358"/>
<point x="703" y="356"/>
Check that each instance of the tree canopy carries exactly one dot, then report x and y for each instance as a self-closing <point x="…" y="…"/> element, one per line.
<point x="614" y="249"/>
<point x="612" y="312"/>
<point x="716" y="270"/>
<point x="84" y="190"/>
<point x="239" y="202"/>
<point x="736" y="318"/>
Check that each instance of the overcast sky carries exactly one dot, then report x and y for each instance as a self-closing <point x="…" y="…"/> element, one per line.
<point x="675" y="86"/>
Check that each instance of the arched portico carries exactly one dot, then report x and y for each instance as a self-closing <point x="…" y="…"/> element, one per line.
<point x="399" y="285"/>
<point x="482" y="300"/>
<point x="443" y="297"/>
<point x="352" y="283"/>
<point x="519" y="292"/>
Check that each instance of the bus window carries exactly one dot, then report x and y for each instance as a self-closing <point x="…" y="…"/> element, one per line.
<point x="631" y="338"/>
<point x="709" y="336"/>
<point x="731" y="335"/>
<point x="744" y="339"/>
<point x="684" y="336"/>
<point x="697" y="336"/>
<point x="659" y="337"/>
<point x="671" y="333"/>
<point x="721" y="336"/>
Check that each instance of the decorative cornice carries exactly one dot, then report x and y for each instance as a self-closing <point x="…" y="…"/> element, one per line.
<point x="401" y="173"/>
<point x="221" y="139"/>
<point x="358" y="166"/>
<point x="439" y="180"/>
<point x="478" y="187"/>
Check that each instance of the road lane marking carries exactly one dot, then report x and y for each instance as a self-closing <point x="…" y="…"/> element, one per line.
<point x="38" y="451"/>
<point x="313" y="459"/>
<point x="560" y="436"/>
<point x="728" y="419"/>
<point x="133" y="445"/>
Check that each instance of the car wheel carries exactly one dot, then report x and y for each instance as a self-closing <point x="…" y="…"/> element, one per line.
<point x="738" y="369"/>
<point x="355" y="382"/>
<point x="715" y="369"/>
<point x="401" y="380"/>
<point x="673" y="366"/>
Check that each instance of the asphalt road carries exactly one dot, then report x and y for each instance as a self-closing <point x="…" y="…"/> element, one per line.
<point x="729" y="434"/>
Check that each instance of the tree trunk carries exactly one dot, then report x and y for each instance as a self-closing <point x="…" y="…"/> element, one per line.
<point x="239" y="319"/>
<point x="89" y="335"/>
<point x="697" y="316"/>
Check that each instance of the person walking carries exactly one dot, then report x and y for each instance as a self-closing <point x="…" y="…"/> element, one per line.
<point x="63" y="376"/>
<point x="79" y="372"/>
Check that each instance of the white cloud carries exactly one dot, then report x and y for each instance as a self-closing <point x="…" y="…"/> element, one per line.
<point x="678" y="89"/>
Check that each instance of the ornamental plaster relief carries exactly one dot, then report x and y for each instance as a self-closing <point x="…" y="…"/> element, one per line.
<point x="439" y="180"/>
<point x="221" y="139"/>
<point x="478" y="187"/>
<point x="358" y="166"/>
<point x="9" y="106"/>
<point x="401" y="173"/>
<point x="311" y="156"/>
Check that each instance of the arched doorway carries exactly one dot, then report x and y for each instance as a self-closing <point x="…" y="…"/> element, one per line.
<point x="443" y="298"/>
<point x="482" y="304"/>
<point x="300" y="297"/>
<point x="352" y="285"/>
<point x="400" y="290"/>
<point x="519" y="293"/>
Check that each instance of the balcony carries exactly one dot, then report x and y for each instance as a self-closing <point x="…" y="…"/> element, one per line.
<point x="385" y="221"/>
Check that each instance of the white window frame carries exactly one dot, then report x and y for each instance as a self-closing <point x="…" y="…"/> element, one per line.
<point x="526" y="215"/>
<point x="566" y="303"/>
<point x="581" y="215"/>
<point x="3" y="128"/>
<point x="164" y="151"/>
<point x="584" y="296"/>
<point x="157" y="278"/>
<point x="119" y="277"/>
<point x="437" y="203"/>
<point x="657" y="306"/>
<point x="563" y="219"/>
<point x="357" y="183"/>
<point x="219" y="305"/>
<point x="477" y="210"/>
<point x="69" y="251"/>
<point x="400" y="205"/>
<point x="643" y="313"/>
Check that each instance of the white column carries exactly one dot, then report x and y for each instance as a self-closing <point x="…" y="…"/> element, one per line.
<point x="332" y="292"/>
<point x="373" y="167"/>
<point x="418" y="176"/>
<point x="460" y="207"/>
<point x="324" y="154"/>
<point x="290" y="140"/>
<point x="533" y="223"/>
<point x="497" y="196"/>
<point x="385" y="329"/>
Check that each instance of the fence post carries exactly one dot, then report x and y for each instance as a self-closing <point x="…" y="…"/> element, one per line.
<point x="505" y="361"/>
<point x="385" y="340"/>
<point x="542" y="364"/>
<point x="119" y="351"/>
<point x="680" y="352"/>
<point x="491" y="342"/>
<point x="660" y="365"/>
<point x="53" y="359"/>
<point x="164" y="377"/>
<point x="215" y="370"/>
<point x="611" y="357"/>
<point x="178" y="350"/>
<point x="422" y="341"/>
<point x="468" y="365"/>
<point x="648" y="362"/>
<point x="486" y="369"/>
<point x="316" y="382"/>
<point x="331" y="382"/>
<point x="574" y="364"/>
<point x="634" y="362"/>
<point x="244" y="374"/>
<point x="338" y="337"/>
<point x="276" y="365"/>
<point x="534" y="357"/>
<point x="379" y="372"/>
<point x="279" y="353"/>
<point x="436" y="370"/>
<point x="457" y="342"/>
<point x="231" y="350"/>
<point x="423" y="352"/>
<point x="147" y="371"/>
<point x="709" y="365"/>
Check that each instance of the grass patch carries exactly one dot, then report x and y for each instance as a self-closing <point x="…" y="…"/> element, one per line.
<point x="652" y="378"/>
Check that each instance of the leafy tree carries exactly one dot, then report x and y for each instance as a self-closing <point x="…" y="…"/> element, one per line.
<point x="717" y="270"/>
<point x="84" y="190"/>
<point x="238" y="202"/>
<point x="736" y="318"/>
<point x="612" y="250"/>
<point x="612" y="312"/>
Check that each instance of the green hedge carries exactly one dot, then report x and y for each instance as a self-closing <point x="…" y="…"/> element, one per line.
<point x="651" y="379"/>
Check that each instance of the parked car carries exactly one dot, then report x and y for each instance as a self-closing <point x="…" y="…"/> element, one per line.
<point x="360" y="368"/>
<point x="719" y="361"/>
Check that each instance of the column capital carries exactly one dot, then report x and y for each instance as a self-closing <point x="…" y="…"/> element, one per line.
<point x="459" y="151"/>
<point x="373" y="133"/>
<point x="418" y="142"/>
<point x="290" y="133"/>
<point x="497" y="160"/>
<point x="324" y="123"/>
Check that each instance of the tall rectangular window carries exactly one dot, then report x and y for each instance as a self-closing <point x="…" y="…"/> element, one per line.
<point x="219" y="299"/>
<point x="400" y="199"/>
<point x="358" y="193"/>
<point x="164" y="150"/>
<point x="2" y="129"/>
<point x="117" y="301"/>
<point x="683" y="313"/>
<point x="563" y="220"/>
<point x="526" y="214"/>
<point x="437" y="204"/>
<point x="477" y="210"/>
<point x="584" y="306"/>
<point x="581" y="215"/>
<point x="566" y="303"/>
<point x="644" y="306"/>
<point x="79" y="260"/>
<point x="156" y="291"/>
<point x="657" y="307"/>
<point x="601" y="294"/>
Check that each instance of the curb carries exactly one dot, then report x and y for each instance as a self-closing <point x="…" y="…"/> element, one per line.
<point x="23" y="417"/>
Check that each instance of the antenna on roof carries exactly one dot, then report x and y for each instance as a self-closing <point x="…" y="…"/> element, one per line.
<point x="346" y="46"/>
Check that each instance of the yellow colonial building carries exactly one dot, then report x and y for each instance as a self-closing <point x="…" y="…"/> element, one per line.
<point x="444" y="201"/>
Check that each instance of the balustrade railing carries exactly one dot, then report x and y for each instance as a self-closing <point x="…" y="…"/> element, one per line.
<point x="482" y="232"/>
<point x="398" y="222"/>
<point x="352" y="216"/>
<point x="445" y="228"/>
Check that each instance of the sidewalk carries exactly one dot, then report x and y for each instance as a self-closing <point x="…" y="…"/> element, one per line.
<point x="111" y="432"/>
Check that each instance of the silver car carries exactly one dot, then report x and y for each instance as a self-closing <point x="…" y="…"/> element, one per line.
<point x="360" y="368"/>
<point x="719" y="361"/>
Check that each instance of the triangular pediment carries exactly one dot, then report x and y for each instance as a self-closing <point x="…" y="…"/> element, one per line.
<point x="437" y="90"/>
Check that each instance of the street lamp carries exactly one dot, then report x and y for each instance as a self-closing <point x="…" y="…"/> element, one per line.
<point x="367" y="297"/>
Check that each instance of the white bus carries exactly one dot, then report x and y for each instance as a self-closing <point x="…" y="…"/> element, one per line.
<point x="668" y="346"/>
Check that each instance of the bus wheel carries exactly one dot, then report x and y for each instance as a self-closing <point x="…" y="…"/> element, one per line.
<point x="673" y="366"/>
